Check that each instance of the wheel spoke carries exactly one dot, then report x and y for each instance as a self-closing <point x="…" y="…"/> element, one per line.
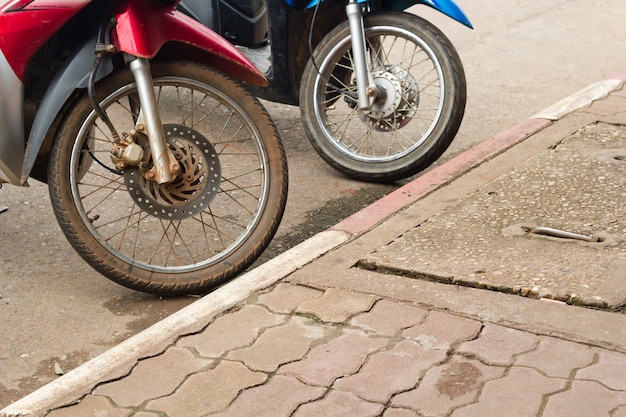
<point x="403" y="68"/>
<point x="206" y="212"/>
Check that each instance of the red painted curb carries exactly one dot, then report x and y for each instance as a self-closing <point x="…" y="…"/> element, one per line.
<point x="618" y="75"/>
<point x="368" y="217"/>
<point x="375" y="213"/>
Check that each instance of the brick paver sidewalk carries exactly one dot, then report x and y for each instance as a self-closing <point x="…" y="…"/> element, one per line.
<point x="298" y="351"/>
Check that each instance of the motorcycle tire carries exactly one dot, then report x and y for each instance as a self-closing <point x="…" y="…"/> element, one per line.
<point x="200" y="230"/>
<point x="413" y="122"/>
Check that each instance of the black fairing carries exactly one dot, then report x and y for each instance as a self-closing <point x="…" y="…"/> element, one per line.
<point x="272" y="34"/>
<point x="241" y="22"/>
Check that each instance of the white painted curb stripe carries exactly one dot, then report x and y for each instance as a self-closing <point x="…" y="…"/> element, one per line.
<point x="579" y="100"/>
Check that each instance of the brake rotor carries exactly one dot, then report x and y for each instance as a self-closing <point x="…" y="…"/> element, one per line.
<point x="192" y="190"/>
<point x="399" y="105"/>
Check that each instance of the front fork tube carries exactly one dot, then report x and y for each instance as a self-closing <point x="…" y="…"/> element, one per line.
<point x="366" y="88"/>
<point x="165" y="167"/>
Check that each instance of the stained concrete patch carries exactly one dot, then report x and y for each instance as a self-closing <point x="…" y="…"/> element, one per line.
<point x="497" y="239"/>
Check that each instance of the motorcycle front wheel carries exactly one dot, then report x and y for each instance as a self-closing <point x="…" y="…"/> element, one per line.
<point x="192" y="234"/>
<point x="414" y="120"/>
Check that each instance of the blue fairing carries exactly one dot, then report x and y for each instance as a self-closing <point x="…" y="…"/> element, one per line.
<point x="447" y="7"/>
<point x="292" y="3"/>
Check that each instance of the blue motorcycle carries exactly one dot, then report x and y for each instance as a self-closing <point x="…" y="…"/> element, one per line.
<point x="381" y="91"/>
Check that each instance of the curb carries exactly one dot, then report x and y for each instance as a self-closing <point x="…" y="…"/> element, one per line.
<point x="119" y="360"/>
<point x="579" y="100"/>
<point x="375" y="213"/>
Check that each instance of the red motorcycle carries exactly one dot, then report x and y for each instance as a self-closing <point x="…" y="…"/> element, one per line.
<point x="164" y="174"/>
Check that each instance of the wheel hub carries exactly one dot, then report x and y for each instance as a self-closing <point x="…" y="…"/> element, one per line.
<point x="399" y="104"/>
<point x="194" y="187"/>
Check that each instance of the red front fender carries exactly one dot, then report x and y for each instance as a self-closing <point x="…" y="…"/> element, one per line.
<point x="144" y="27"/>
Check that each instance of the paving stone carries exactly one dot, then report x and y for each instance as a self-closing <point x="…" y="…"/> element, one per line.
<point x="153" y="377"/>
<point x="339" y="404"/>
<point x="448" y="386"/>
<point x="388" y="318"/>
<point x="399" y="412"/>
<point x="209" y="391"/>
<point x="91" y="406"/>
<point x="231" y="331"/>
<point x="556" y="357"/>
<point x="278" y="398"/>
<point x="339" y="357"/>
<point x="337" y="305"/>
<point x="519" y="394"/>
<point x="285" y="298"/>
<point x="497" y="345"/>
<point x="610" y="370"/>
<point x="584" y="399"/>
<point x="620" y="412"/>
<point x="279" y="345"/>
<point x="441" y="330"/>
<point x="389" y="372"/>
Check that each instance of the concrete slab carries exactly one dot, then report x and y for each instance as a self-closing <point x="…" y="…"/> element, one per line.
<point x="486" y="240"/>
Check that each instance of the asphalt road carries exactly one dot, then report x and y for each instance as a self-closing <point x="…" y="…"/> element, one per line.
<point x="520" y="59"/>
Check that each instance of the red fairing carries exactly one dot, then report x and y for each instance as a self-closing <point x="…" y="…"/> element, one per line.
<point x="145" y="26"/>
<point x="25" y="26"/>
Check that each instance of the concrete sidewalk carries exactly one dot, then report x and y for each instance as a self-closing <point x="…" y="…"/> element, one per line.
<point x="438" y="300"/>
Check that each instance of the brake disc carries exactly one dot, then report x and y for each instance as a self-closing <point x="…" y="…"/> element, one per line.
<point x="195" y="186"/>
<point x="400" y="103"/>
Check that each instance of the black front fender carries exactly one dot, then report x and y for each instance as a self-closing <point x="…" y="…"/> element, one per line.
<point x="73" y="75"/>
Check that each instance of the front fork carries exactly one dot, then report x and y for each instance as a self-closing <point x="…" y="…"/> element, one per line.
<point x="367" y="90"/>
<point x="165" y="167"/>
<point x="127" y="151"/>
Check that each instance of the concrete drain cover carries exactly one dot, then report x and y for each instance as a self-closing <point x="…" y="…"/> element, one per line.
<point x="578" y="187"/>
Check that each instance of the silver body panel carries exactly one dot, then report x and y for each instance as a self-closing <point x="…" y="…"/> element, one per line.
<point x="11" y="124"/>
